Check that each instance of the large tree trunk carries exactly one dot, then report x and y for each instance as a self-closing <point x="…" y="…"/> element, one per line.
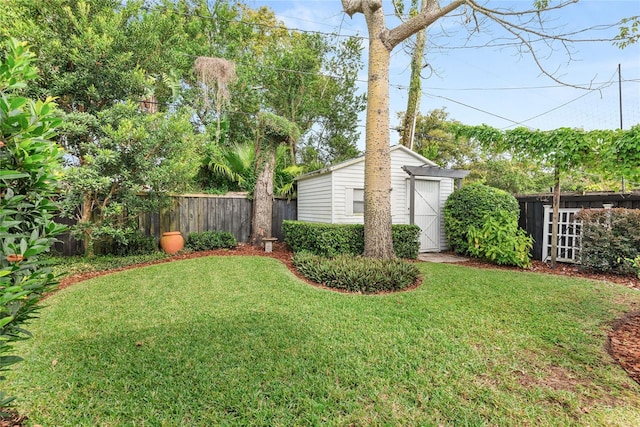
<point x="378" y="242"/>
<point x="377" y="182"/>
<point x="263" y="197"/>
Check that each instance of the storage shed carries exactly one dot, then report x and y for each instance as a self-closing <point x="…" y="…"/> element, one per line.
<point x="336" y="194"/>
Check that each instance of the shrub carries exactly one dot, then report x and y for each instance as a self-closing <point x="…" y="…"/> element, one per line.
<point x="501" y="241"/>
<point x="406" y="240"/>
<point x="610" y="239"/>
<point x="209" y="240"/>
<point x="30" y="163"/>
<point x="357" y="274"/>
<point x="634" y="264"/>
<point x="135" y="243"/>
<point x="336" y="239"/>
<point x="468" y="207"/>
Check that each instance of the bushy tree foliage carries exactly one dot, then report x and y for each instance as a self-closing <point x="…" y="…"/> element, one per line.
<point x="29" y="169"/>
<point x="610" y="240"/>
<point x="500" y="240"/>
<point x="126" y="162"/>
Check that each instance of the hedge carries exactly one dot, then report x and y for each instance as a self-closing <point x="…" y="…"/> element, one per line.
<point x="610" y="240"/>
<point x="331" y="240"/>
<point x="210" y="240"/>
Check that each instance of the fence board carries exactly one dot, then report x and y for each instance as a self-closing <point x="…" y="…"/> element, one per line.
<point x="196" y="213"/>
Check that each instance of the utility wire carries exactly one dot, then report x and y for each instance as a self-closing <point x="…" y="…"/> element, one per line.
<point x="472" y="107"/>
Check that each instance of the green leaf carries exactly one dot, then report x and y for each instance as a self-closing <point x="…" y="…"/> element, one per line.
<point x="17" y="103"/>
<point x="12" y="174"/>
<point x="5" y="321"/>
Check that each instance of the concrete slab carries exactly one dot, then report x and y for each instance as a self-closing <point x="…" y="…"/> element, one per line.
<point x="441" y="257"/>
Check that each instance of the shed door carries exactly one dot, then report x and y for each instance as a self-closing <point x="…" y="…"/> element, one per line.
<point x="427" y="213"/>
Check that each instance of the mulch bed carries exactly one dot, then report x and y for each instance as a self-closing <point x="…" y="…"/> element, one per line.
<point x="623" y="340"/>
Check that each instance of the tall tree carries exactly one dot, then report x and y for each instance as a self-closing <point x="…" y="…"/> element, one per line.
<point x="561" y="150"/>
<point x="377" y="210"/>
<point x="526" y="26"/>
<point x="273" y="132"/>
<point x="415" y="81"/>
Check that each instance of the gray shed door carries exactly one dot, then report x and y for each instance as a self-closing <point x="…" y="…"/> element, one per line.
<point x="427" y="213"/>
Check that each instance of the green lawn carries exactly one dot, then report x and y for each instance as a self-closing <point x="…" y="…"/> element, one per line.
<point x="241" y="341"/>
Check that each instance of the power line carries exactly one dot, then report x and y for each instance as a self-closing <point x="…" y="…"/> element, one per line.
<point x="603" y="86"/>
<point x="558" y="86"/>
<point x="472" y="107"/>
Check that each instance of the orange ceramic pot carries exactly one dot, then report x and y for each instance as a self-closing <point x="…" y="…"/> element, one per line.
<point x="172" y="242"/>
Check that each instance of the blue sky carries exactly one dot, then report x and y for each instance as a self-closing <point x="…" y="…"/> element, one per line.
<point x="498" y="85"/>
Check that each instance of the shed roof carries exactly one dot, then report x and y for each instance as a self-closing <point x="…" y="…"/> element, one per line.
<point x="355" y="160"/>
<point x="428" y="170"/>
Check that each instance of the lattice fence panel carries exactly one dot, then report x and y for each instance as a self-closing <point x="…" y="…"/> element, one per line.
<point x="569" y="229"/>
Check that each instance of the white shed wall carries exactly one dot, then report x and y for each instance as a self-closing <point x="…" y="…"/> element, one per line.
<point x="315" y="199"/>
<point x="345" y="180"/>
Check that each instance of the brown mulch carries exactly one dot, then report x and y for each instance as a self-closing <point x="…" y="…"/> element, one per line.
<point x="623" y="340"/>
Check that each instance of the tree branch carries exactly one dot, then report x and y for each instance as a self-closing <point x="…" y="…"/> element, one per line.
<point x="521" y="33"/>
<point x="426" y="17"/>
<point x="351" y="7"/>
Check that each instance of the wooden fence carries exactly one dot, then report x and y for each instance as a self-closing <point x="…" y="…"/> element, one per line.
<point x="199" y="212"/>
<point x="532" y="210"/>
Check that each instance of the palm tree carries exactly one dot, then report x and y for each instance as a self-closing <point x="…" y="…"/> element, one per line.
<point x="233" y="169"/>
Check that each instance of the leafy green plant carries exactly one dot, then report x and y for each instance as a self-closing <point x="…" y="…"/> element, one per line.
<point x="209" y="240"/>
<point x="406" y="240"/>
<point x="135" y="243"/>
<point x="324" y="239"/>
<point x="357" y="274"/>
<point x="335" y="239"/>
<point x="635" y="264"/>
<point x="468" y="207"/>
<point x="610" y="240"/>
<point x="29" y="167"/>
<point x="501" y="241"/>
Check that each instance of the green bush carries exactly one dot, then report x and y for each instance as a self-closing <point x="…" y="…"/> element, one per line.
<point x="501" y="241"/>
<point x="135" y="243"/>
<point x="330" y="240"/>
<point x="610" y="240"/>
<point x="210" y="240"/>
<point x="357" y="274"/>
<point x="468" y="207"/>
<point x="30" y="163"/>
<point x="406" y="240"/>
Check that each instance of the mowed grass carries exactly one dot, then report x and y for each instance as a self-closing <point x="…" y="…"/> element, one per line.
<point x="239" y="341"/>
